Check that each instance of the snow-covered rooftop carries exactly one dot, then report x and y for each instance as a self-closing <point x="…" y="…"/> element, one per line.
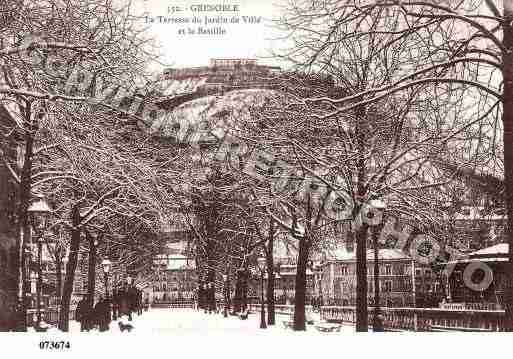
<point x="495" y="253"/>
<point x="496" y="250"/>
<point x="175" y="262"/>
<point x="469" y="213"/>
<point x="179" y="262"/>
<point x="343" y="254"/>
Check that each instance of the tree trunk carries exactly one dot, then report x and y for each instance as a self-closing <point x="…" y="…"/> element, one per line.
<point x="300" y="295"/>
<point x="22" y="216"/>
<point x="58" y="276"/>
<point x="211" y="296"/>
<point x="271" y="316"/>
<point x="237" y="296"/>
<point x="58" y="272"/>
<point x="361" y="279"/>
<point x="70" y="270"/>
<point x="244" y="290"/>
<point x="8" y="250"/>
<point x="91" y="272"/>
<point x="361" y="227"/>
<point x="228" y="298"/>
<point x="507" y="119"/>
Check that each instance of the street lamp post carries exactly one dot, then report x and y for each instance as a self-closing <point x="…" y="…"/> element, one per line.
<point x="377" y="322"/>
<point x="317" y="273"/>
<point x="39" y="278"/>
<point x="225" y="292"/>
<point x="278" y="279"/>
<point x="106" y="268"/>
<point x="33" y="290"/>
<point x="39" y="212"/>
<point x="261" y="267"/>
<point x="129" y="291"/>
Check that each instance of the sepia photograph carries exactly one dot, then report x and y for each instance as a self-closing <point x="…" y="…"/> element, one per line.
<point x="256" y="177"/>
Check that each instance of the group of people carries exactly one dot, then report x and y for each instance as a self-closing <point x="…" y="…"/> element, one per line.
<point x="123" y="301"/>
<point x="127" y="300"/>
<point x="207" y="298"/>
<point x="91" y="316"/>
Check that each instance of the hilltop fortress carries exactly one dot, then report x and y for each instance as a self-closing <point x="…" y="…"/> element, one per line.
<point x="224" y="75"/>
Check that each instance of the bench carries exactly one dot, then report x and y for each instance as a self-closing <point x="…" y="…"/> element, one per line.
<point x="328" y="327"/>
<point x="288" y="324"/>
<point x="441" y="328"/>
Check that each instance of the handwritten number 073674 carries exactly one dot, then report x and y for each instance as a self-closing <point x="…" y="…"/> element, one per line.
<point x="49" y="344"/>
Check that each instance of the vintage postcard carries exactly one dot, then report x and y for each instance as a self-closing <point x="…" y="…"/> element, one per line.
<point x="281" y="175"/>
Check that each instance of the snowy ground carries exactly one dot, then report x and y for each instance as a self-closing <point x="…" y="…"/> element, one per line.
<point x="189" y="334"/>
<point x="190" y="321"/>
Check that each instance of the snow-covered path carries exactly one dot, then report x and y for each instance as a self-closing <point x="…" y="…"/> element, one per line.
<point x="190" y="321"/>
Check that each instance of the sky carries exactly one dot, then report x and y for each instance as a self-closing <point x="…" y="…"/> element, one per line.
<point x="242" y="40"/>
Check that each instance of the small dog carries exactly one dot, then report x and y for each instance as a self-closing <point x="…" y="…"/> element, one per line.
<point x="125" y="326"/>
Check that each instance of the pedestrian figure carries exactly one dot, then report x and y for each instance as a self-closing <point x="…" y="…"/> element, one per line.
<point x="123" y="303"/>
<point x="115" y="304"/>
<point x="139" y="302"/>
<point x="82" y="314"/>
<point x="102" y="314"/>
<point x="132" y="301"/>
<point x="211" y="300"/>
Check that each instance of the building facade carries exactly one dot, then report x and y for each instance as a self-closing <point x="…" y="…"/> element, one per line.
<point x="471" y="227"/>
<point x="173" y="271"/>
<point x="174" y="279"/>
<point x="403" y="282"/>
<point x="486" y="269"/>
<point x="284" y="284"/>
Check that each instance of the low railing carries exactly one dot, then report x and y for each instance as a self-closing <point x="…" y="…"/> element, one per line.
<point x="181" y="304"/>
<point x="280" y="308"/>
<point x="424" y="319"/>
<point x="49" y="315"/>
<point x="472" y="306"/>
<point x="411" y="319"/>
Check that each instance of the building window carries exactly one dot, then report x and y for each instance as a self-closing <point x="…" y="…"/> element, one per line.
<point x="400" y="269"/>
<point x="343" y="270"/>
<point x="387" y="286"/>
<point x="388" y="269"/>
